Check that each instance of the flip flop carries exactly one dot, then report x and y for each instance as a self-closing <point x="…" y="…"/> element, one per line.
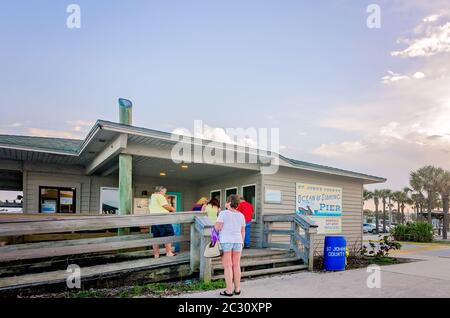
<point x="237" y="293"/>
<point x="224" y="293"/>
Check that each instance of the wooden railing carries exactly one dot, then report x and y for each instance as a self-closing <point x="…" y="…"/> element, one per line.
<point x="12" y="228"/>
<point x="302" y="231"/>
<point x="200" y="237"/>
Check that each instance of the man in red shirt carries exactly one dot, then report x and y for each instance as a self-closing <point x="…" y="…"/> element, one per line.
<point x="247" y="210"/>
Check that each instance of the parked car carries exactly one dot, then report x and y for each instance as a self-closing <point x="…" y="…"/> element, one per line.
<point x="388" y="228"/>
<point x="369" y="228"/>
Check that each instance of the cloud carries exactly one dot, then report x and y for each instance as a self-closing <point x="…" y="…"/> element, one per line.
<point x="431" y="40"/>
<point x="76" y="129"/>
<point x="13" y="125"/>
<point x="394" y="77"/>
<point x="431" y="18"/>
<point x="418" y="75"/>
<point x="38" y="132"/>
<point x="339" y="149"/>
<point x="80" y="125"/>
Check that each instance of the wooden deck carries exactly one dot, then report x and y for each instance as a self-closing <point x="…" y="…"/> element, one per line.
<point x="107" y="258"/>
<point x="271" y="259"/>
<point x="92" y="272"/>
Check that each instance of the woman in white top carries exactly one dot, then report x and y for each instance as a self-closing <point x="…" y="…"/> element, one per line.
<point x="231" y="227"/>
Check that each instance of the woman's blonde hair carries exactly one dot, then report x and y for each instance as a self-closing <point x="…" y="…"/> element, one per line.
<point x="202" y="200"/>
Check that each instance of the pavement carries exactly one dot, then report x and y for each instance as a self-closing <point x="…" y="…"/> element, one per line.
<point x="428" y="276"/>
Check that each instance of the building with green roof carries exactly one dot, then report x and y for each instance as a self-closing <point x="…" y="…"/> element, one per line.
<point x="116" y="167"/>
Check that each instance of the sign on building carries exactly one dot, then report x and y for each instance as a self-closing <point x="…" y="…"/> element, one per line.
<point x="323" y="204"/>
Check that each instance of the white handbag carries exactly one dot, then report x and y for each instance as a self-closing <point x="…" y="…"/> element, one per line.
<point x="213" y="250"/>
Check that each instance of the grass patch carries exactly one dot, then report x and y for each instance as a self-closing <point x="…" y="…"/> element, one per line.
<point x="87" y="294"/>
<point x="383" y="261"/>
<point x="148" y="290"/>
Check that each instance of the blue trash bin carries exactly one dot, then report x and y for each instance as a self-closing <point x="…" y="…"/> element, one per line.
<point x="334" y="253"/>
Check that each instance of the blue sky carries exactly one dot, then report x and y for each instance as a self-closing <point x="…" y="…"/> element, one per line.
<point x="311" y="68"/>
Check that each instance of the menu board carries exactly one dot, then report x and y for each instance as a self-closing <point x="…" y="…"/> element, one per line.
<point x="141" y="206"/>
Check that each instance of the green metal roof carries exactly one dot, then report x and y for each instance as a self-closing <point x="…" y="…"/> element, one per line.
<point x="68" y="146"/>
<point x="304" y="164"/>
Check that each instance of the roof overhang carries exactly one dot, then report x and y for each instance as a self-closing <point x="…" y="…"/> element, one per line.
<point x="153" y="143"/>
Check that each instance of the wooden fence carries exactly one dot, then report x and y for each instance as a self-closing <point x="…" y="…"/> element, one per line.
<point x="72" y="235"/>
<point x="13" y="227"/>
<point x="302" y="231"/>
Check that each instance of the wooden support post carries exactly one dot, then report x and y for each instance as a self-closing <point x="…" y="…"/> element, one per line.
<point x="311" y="232"/>
<point x="194" y="250"/>
<point x="205" y="263"/>
<point x="267" y="237"/>
<point x="125" y="188"/>
<point x="294" y="243"/>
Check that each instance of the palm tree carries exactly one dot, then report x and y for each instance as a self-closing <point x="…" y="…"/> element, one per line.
<point x="418" y="200"/>
<point x="408" y="201"/>
<point x="376" y="195"/>
<point x="367" y="195"/>
<point x="396" y="198"/>
<point x="444" y="190"/>
<point x="401" y="198"/>
<point x="385" y="194"/>
<point x="426" y="179"/>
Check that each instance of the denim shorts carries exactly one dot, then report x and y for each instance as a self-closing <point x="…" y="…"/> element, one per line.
<point x="231" y="247"/>
<point x="162" y="230"/>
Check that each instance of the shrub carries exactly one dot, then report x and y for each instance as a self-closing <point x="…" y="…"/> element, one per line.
<point x="413" y="232"/>
<point x="382" y="248"/>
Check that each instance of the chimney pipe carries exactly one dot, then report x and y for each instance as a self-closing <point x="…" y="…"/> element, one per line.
<point x="125" y="111"/>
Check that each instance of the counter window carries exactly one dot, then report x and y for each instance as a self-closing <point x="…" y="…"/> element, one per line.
<point x="249" y="193"/>
<point x="230" y="191"/>
<point x="216" y="194"/>
<point x="57" y="200"/>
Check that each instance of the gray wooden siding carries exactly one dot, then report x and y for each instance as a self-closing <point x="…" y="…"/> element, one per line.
<point x="43" y="177"/>
<point x="238" y="180"/>
<point x="88" y="187"/>
<point x="352" y="190"/>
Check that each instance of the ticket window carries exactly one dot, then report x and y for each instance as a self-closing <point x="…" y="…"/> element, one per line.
<point x="57" y="200"/>
<point x="249" y="193"/>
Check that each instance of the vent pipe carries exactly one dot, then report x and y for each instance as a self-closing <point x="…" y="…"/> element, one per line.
<point x="125" y="111"/>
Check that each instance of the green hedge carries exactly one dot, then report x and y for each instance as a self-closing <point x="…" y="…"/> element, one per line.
<point x="413" y="232"/>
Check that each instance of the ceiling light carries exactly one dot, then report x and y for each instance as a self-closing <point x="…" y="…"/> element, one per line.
<point x="162" y="174"/>
<point x="184" y="166"/>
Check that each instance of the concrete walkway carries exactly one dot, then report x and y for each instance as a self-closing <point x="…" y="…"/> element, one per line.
<point x="427" y="277"/>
